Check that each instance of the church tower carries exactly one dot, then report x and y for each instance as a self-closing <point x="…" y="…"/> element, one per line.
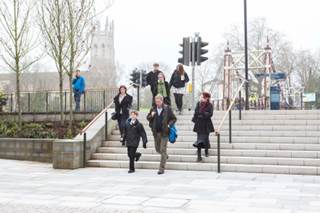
<point x="102" y="59"/>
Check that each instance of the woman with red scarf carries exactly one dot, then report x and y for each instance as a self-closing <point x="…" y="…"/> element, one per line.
<point x="203" y="125"/>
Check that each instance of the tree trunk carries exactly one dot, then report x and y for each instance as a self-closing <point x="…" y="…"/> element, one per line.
<point x="18" y="100"/>
<point x="61" y="98"/>
<point x="70" y="103"/>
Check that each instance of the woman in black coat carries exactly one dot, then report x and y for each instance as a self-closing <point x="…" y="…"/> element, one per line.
<point x="203" y="125"/>
<point x="178" y="82"/>
<point x="123" y="103"/>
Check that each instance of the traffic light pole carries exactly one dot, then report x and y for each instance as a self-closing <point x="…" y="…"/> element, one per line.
<point x="193" y="65"/>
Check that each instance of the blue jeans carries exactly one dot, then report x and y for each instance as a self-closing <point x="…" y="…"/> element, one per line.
<point x="77" y="99"/>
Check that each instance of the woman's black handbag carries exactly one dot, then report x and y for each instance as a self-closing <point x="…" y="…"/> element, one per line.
<point x="114" y="116"/>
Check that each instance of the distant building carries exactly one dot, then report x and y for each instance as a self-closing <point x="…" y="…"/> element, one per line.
<point x="101" y="71"/>
<point x="102" y="60"/>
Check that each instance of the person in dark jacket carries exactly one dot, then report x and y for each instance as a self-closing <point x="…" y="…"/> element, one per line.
<point x="203" y="125"/>
<point x="133" y="132"/>
<point x="163" y="89"/>
<point x="152" y="79"/>
<point x="123" y="103"/>
<point x="160" y="118"/>
<point x="178" y="82"/>
<point x="78" y="85"/>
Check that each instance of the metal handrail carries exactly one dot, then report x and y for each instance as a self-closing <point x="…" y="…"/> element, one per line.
<point x="230" y="106"/>
<point x="223" y="120"/>
<point x="99" y="115"/>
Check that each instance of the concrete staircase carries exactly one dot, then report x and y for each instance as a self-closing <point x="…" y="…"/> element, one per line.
<point x="279" y="142"/>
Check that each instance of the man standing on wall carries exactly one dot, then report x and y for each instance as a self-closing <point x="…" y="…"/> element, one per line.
<point x="78" y="85"/>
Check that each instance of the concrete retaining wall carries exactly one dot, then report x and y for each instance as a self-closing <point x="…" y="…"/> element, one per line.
<point x="64" y="153"/>
<point x="26" y="149"/>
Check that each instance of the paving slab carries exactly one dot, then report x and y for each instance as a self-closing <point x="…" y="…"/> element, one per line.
<point x="31" y="187"/>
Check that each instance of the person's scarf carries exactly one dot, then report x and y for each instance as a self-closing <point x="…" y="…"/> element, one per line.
<point x="162" y="88"/>
<point x="203" y="106"/>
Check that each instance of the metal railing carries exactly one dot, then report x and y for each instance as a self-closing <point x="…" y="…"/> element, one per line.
<point x="105" y="113"/>
<point x="93" y="100"/>
<point x="228" y="112"/>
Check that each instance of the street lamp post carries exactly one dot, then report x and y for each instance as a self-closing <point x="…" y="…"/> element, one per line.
<point x="246" y="56"/>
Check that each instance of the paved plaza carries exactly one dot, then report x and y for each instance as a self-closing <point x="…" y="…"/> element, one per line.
<point x="31" y="187"/>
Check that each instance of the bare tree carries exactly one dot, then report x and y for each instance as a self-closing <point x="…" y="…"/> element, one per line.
<point x="18" y="40"/>
<point x="80" y="28"/>
<point x="53" y="26"/>
<point x="307" y="70"/>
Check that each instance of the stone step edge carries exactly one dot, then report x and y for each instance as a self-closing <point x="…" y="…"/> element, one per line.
<point x="246" y="168"/>
<point x="186" y="156"/>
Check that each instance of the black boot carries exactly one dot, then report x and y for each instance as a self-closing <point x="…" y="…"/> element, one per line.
<point x="206" y="152"/>
<point x="138" y="155"/>
<point x="199" y="159"/>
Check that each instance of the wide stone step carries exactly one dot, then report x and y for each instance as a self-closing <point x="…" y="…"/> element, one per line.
<point x="247" y="168"/>
<point x="242" y="139"/>
<point x="224" y="152"/>
<point x="225" y="127"/>
<point x="250" y="122"/>
<point x="213" y="159"/>
<point x="258" y="116"/>
<point x="224" y="132"/>
<point x="264" y="146"/>
<point x="255" y="112"/>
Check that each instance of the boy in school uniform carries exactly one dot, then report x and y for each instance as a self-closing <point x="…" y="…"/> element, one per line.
<point x="133" y="132"/>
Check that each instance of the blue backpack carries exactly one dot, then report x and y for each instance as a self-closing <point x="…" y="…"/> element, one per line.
<point x="173" y="134"/>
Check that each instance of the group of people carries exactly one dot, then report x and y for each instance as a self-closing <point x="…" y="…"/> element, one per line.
<point x="177" y="84"/>
<point x="161" y="116"/>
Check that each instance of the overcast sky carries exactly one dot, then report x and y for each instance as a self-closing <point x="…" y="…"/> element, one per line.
<point x="150" y="30"/>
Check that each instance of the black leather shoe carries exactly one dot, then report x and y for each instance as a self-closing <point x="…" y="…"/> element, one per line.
<point x="131" y="171"/>
<point x="138" y="156"/>
<point x="199" y="159"/>
<point x="160" y="172"/>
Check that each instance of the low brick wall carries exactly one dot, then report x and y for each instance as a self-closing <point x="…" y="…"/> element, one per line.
<point x="64" y="154"/>
<point x="68" y="154"/>
<point x="26" y="149"/>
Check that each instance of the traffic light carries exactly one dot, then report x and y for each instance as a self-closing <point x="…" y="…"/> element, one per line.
<point x="144" y="78"/>
<point x="135" y="77"/>
<point x="185" y="59"/>
<point x="200" y="52"/>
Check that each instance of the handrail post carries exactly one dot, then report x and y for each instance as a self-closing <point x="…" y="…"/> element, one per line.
<point x="84" y="149"/>
<point x="230" y="126"/>
<point x="218" y="153"/>
<point x="104" y="99"/>
<point x="106" y="126"/>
